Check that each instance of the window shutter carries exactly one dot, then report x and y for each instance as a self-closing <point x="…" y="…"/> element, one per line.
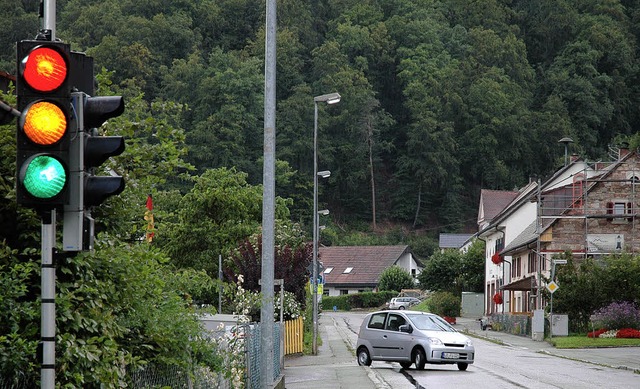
<point x="609" y="210"/>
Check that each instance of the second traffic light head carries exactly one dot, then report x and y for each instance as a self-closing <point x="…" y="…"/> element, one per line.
<point x="98" y="110"/>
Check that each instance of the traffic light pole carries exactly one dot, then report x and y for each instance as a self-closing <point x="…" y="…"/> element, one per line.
<point x="48" y="301"/>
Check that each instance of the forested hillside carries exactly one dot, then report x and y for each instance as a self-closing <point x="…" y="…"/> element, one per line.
<point x="439" y="98"/>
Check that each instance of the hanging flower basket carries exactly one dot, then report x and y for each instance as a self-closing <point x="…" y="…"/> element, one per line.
<point x="496" y="258"/>
<point x="497" y="298"/>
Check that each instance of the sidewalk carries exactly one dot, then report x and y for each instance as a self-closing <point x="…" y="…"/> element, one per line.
<point x="334" y="367"/>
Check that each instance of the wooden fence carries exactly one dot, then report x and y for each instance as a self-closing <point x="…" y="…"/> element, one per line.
<point x="293" y="336"/>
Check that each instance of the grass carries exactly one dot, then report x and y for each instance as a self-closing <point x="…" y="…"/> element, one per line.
<point x="585" y="342"/>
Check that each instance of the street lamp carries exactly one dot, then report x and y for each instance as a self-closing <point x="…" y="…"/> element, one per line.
<point x="331" y="98"/>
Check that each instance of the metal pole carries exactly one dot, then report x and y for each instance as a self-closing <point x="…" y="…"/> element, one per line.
<point x="220" y="279"/>
<point x="48" y="302"/>
<point x="49" y="17"/>
<point x="314" y="280"/>
<point x="268" y="199"/>
<point x="538" y="255"/>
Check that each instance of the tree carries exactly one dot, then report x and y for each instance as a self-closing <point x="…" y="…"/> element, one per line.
<point x="442" y="272"/>
<point x="395" y="278"/>
<point x="292" y="259"/>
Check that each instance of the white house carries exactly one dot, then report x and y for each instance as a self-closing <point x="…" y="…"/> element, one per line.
<point x="354" y="269"/>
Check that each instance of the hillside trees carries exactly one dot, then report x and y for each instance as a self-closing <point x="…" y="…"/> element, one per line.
<point x="440" y="98"/>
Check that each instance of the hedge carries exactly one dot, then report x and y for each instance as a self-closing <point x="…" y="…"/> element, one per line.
<point x="347" y="302"/>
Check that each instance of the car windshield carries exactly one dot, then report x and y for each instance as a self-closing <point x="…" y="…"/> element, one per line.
<point x="430" y="323"/>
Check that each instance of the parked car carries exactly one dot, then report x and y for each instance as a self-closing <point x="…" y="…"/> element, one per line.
<point x="411" y="337"/>
<point x="402" y="302"/>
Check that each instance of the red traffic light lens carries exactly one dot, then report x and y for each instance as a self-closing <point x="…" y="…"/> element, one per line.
<point x="44" y="69"/>
<point x="44" y="123"/>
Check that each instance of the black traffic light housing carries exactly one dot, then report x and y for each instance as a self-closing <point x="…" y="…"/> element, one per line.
<point x="43" y="131"/>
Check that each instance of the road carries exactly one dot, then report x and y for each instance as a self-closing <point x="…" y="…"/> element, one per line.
<point x="496" y="366"/>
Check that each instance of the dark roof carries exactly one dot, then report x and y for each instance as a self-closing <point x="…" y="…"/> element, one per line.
<point x="367" y="263"/>
<point x="494" y="201"/>
<point x="453" y="241"/>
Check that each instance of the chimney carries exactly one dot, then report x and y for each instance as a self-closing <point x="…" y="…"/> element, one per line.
<point x="574" y="157"/>
<point x="624" y="150"/>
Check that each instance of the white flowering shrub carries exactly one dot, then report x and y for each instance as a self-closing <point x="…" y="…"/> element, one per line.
<point x="292" y="309"/>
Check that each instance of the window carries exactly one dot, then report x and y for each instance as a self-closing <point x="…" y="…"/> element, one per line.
<point x="328" y="270"/>
<point x="394" y="322"/>
<point x="347" y="270"/>
<point x="619" y="208"/>
<point x="620" y="211"/>
<point x="344" y="291"/>
<point x="377" y="321"/>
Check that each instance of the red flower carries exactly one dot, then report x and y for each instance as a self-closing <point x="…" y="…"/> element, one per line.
<point x="628" y="333"/>
<point x="597" y="333"/>
<point x="496" y="258"/>
<point x="497" y="298"/>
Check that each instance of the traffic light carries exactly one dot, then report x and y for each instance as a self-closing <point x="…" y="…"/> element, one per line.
<point x="98" y="149"/>
<point x="87" y="152"/>
<point x="44" y="102"/>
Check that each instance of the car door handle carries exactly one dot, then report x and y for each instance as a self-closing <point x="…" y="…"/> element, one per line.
<point x="384" y="336"/>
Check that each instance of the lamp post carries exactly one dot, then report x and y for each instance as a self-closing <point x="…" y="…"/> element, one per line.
<point x="331" y="98"/>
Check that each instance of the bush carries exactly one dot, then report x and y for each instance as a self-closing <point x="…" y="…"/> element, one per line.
<point x="357" y="300"/>
<point x="444" y="304"/>
<point x="617" y="315"/>
<point x="396" y="278"/>
<point x="292" y="309"/>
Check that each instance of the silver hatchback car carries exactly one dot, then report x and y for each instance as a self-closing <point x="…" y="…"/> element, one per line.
<point x="411" y="337"/>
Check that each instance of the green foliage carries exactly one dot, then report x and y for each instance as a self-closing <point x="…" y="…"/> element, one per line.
<point x="590" y="285"/>
<point x="441" y="272"/>
<point x="123" y="307"/>
<point x="357" y="300"/>
<point x="19" y="315"/>
<point x="395" y="278"/>
<point x="444" y="304"/>
<point x="292" y="308"/>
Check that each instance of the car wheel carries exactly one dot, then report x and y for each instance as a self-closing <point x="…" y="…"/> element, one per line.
<point x="401" y="307"/>
<point x="363" y="357"/>
<point x="462" y="366"/>
<point x="419" y="358"/>
<point x="405" y="365"/>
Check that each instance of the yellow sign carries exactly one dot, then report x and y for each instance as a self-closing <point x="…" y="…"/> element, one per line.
<point x="552" y="287"/>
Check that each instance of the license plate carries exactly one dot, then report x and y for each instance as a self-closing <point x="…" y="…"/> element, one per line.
<point x="450" y="355"/>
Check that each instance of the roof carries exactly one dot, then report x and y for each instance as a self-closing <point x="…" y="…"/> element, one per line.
<point x="453" y="241"/>
<point x="366" y="262"/>
<point x="527" y="283"/>
<point x="492" y="202"/>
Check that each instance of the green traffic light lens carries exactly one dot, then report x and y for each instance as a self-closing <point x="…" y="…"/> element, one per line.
<point x="43" y="176"/>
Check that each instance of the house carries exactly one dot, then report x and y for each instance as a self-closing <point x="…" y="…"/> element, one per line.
<point x="452" y="241"/>
<point x="354" y="269"/>
<point x="587" y="209"/>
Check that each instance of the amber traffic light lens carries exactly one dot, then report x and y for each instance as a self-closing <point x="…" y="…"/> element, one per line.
<point x="44" y="123"/>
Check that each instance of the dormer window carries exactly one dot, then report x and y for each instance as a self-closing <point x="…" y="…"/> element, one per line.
<point x="328" y="270"/>
<point x="347" y="270"/>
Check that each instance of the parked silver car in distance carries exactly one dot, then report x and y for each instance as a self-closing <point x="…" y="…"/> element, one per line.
<point x="402" y="302"/>
<point x="412" y="337"/>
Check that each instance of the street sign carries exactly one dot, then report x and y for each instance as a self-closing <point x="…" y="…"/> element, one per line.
<point x="552" y="287"/>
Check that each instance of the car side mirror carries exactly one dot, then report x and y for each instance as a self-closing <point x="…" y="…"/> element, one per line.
<point x="406" y="328"/>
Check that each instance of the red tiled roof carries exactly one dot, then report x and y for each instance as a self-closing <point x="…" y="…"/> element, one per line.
<point x="494" y="201"/>
<point x="367" y="263"/>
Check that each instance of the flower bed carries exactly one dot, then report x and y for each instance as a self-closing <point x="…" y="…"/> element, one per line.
<point x="624" y="333"/>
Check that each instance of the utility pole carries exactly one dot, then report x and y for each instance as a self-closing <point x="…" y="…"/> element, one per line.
<point x="268" y="200"/>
